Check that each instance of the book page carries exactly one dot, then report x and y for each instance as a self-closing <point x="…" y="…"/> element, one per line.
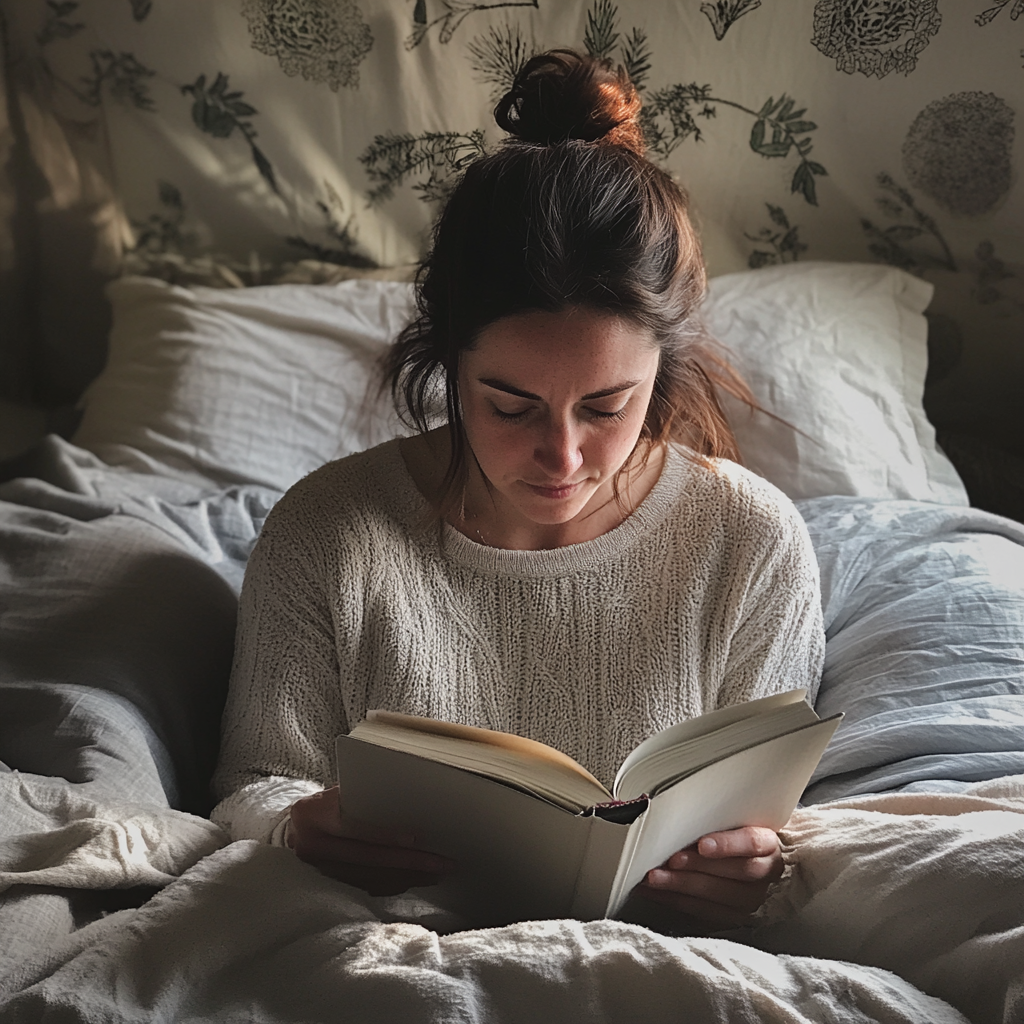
<point x="636" y="777"/>
<point x="518" y="857"/>
<point x="520" y="762"/>
<point x="757" y="786"/>
<point x="507" y="740"/>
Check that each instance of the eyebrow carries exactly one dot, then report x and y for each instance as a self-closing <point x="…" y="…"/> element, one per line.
<point x="509" y="389"/>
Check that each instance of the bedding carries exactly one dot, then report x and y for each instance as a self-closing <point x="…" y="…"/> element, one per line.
<point x="119" y="570"/>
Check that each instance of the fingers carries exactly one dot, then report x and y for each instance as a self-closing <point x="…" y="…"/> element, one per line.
<point x="726" y="892"/>
<point x="744" y="869"/>
<point x="721" y="880"/>
<point x="322" y="812"/>
<point x="379" y="859"/>
<point x="751" y="841"/>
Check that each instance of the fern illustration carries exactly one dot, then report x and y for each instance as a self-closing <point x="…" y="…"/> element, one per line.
<point x="723" y="13"/>
<point x="781" y="242"/>
<point x="219" y="113"/>
<point x="601" y="36"/>
<point x="1015" y="11"/>
<point x="124" y="77"/>
<point x="454" y="13"/>
<point x="669" y="115"/>
<point x="899" y="244"/>
<point x="345" y="250"/>
<point x="441" y="156"/>
<point x="498" y="54"/>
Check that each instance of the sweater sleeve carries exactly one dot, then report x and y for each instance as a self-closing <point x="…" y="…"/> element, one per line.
<point x="778" y="642"/>
<point x="284" y="705"/>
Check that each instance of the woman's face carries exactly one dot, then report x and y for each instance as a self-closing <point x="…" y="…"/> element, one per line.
<point x="553" y="404"/>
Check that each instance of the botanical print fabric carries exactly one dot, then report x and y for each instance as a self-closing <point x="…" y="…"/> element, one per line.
<point x="229" y="139"/>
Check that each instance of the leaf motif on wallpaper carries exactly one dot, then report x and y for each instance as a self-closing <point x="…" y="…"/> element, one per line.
<point x="1015" y="11"/>
<point x="991" y="272"/>
<point x="497" y="55"/>
<point x="391" y="159"/>
<point x="141" y="9"/>
<point x="453" y="14"/>
<point x="56" y="25"/>
<point x="779" y="243"/>
<point x="321" y="41"/>
<point x="723" y="13"/>
<point x="164" y="232"/>
<point x="911" y="242"/>
<point x="219" y="113"/>
<point x="124" y="77"/>
<point x="344" y="249"/>
<point x="774" y="134"/>
<point x="601" y="36"/>
<point x="875" y="37"/>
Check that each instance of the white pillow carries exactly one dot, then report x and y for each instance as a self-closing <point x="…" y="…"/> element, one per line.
<point x="839" y="350"/>
<point x="265" y="384"/>
<point x="257" y="385"/>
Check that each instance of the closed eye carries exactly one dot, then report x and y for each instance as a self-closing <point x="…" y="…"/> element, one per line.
<point x="510" y="417"/>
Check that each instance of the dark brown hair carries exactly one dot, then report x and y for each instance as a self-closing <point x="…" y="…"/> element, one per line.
<point x="567" y="212"/>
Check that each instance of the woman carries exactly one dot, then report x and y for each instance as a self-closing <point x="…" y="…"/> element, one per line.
<point x="571" y="556"/>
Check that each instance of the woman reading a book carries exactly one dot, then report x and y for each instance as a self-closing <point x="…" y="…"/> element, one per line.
<point x="572" y="555"/>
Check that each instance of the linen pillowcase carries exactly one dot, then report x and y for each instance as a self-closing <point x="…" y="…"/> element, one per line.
<point x="256" y="385"/>
<point x="840" y="352"/>
<point x="265" y="384"/>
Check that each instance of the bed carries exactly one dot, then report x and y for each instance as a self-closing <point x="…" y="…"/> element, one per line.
<point x="207" y="226"/>
<point x="123" y="551"/>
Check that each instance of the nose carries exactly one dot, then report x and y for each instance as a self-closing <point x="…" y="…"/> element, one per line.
<point x="558" y="451"/>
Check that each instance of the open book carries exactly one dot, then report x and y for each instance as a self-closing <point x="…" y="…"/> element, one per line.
<point x="535" y="835"/>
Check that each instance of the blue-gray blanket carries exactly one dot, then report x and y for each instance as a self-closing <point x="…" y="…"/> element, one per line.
<point x="117" y="605"/>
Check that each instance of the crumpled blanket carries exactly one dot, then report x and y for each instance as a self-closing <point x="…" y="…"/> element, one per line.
<point x="55" y="835"/>
<point x="251" y="934"/>
<point x="930" y="886"/>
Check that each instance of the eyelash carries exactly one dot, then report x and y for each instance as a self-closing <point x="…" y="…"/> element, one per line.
<point x="512" y="417"/>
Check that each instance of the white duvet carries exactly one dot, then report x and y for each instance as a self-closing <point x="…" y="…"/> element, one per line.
<point x="930" y="886"/>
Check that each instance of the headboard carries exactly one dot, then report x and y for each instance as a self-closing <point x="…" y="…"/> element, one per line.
<point x="246" y="141"/>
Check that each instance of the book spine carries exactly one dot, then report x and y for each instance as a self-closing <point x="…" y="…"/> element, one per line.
<point x="599" y="869"/>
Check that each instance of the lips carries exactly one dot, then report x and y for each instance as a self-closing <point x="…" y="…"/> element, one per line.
<point x="556" y="492"/>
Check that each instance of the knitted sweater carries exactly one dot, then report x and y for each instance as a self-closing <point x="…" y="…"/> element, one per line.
<point x="706" y="595"/>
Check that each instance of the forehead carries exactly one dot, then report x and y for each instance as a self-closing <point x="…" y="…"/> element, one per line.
<point x="575" y="343"/>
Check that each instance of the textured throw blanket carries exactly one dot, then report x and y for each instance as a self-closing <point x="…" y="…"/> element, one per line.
<point x="930" y="886"/>
<point x="251" y="934"/>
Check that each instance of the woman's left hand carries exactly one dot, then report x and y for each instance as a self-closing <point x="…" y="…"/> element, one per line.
<point x="721" y="880"/>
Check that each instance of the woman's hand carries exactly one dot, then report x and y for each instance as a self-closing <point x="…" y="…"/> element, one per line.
<point x="721" y="880"/>
<point x="382" y="861"/>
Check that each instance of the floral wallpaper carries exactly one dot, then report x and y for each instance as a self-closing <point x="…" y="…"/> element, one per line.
<point x="238" y="141"/>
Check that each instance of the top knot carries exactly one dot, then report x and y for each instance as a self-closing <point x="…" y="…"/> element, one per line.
<point x="562" y="94"/>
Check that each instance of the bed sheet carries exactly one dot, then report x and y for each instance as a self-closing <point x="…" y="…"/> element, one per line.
<point x="118" y="596"/>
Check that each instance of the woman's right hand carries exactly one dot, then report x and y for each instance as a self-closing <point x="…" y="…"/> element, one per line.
<point x="382" y="861"/>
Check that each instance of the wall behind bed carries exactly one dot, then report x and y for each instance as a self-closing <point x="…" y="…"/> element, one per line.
<point x="236" y="141"/>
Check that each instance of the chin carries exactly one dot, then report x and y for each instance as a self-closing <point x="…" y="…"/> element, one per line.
<point x="553" y="514"/>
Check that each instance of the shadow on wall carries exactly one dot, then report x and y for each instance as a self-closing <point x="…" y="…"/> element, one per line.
<point x="64" y="242"/>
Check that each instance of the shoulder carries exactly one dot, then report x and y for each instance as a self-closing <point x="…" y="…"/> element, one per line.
<point x="726" y="501"/>
<point x="344" y="506"/>
<point x="368" y="482"/>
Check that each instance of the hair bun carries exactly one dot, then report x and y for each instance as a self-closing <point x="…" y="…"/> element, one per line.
<point x="563" y="94"/>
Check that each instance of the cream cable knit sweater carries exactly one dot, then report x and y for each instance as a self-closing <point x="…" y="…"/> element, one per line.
<point x="706" y="595"/>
